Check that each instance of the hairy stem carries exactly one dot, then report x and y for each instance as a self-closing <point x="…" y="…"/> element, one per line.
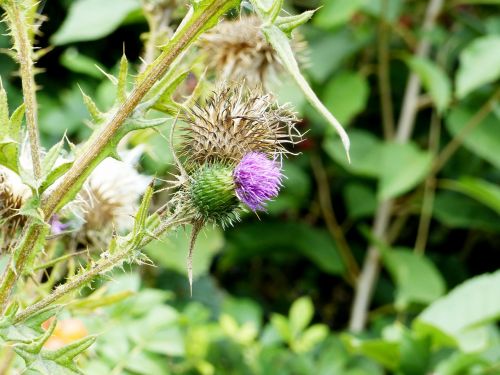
<point x="370" y="269"/>
<point x="93" y="153"/>
<point x="103" y="265"/>
<point x="22" y="43"/>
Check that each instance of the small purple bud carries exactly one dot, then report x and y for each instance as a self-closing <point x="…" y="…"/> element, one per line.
<point x="257" y="179"/>
<point x="56" y="226"/>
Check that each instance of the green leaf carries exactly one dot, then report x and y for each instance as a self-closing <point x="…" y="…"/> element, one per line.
<point x="416" y="277"/>
<point x="282" y="326"/>
<point x="310" y="338"/>
<point x="93" y="19"/>
<point x="360" y="200"/>
<point x="281" y="44"/>
<point x="481" y="190"/>
<point x="290" y="23"/>
<point x="382" y="351"/>
<point x="268" y="9"/>
<point x="73" y="60"/>
<point x="366" y="153"/>
<point x="484" y="140"/>
<point x="347" y="95"/>
<point x="301" y="314"/>
<point x="479" y="64"/>
<point x="337" y="12"/>
<point x="403" y="166"/>
<point x="463" y="312"/>
<point x="434" y="79"/>
<point x="456" y="211"/>
<point x="51" y="157"/>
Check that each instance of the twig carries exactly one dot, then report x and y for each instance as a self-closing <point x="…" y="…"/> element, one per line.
<point x="429" y="189"/>
<point x="332" y="224"/>
<point x="384" y="82"/>
<point x="370" y="269"/>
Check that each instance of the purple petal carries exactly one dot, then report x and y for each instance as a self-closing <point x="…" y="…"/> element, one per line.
<point x="257" y="179"/>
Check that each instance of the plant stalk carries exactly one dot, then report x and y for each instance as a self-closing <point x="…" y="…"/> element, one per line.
<point x="93" y="153"/>
<point x="24" y="50"/>
<point x="371" y="266"/>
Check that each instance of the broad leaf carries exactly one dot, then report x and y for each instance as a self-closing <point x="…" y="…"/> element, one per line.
<point x="479" y="64"/>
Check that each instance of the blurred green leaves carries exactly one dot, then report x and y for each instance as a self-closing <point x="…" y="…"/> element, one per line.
<point x="397" y="167"/>
<point x="93" y="19"/>
<point x="479" y="64"/>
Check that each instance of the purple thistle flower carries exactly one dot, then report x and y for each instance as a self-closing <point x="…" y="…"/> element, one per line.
<point x="56" y="226"/>
<point x="257" y="180"/>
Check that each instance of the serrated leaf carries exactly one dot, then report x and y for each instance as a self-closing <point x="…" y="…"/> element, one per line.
<point x="96" y="115"/>
<point x="121" y="89"/>
<point x="53" y="175"/>
<point x="51" y="157"/>
<point x="290" y="23"/>
<point x="281" y="44"/>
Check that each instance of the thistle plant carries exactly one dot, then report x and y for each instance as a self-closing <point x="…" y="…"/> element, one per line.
<point x="229" y="162"/>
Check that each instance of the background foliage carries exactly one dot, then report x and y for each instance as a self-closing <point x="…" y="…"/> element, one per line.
<point x="273" y="295"/>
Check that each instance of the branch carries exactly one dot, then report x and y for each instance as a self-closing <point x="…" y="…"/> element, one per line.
<point x="370" y="269"/>
<point x="21" y="40"/>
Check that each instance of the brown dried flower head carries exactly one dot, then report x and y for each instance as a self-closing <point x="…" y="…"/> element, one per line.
<point x="13" y="194"/>
<point x="235" y="121"/>
<point x="238" y="50"/>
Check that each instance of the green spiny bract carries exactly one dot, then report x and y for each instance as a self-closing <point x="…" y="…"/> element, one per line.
<point x="213" y="196"/>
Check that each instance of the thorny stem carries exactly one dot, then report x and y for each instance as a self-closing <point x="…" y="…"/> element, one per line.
<point x="332" y="224"/>
<point x="22" y="42"/>
<point x="92" y="154"/>
<point x="370" y="269"/>
<point x="101" y="266"/>
<point x="384" y="81"/>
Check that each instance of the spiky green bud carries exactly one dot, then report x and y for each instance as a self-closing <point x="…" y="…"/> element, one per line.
<point x="213" y="193"/>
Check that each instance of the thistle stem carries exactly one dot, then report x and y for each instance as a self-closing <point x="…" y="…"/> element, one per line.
<point x="94" y="152"/>
<point x="101" y="266"/>
<point x="24" y="50"/>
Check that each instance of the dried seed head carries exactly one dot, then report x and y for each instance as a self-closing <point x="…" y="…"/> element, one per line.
<point x="108" y="200"/>
<point x="238" y="50"/>
<point x="235" y="121"/>
<point x="13" y="194"/>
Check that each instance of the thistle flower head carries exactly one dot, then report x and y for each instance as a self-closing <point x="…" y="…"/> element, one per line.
<point x="235" y="121"/>
<point x="109" y="198"/>
<point x="257" y="179"/>
<point x="238" y="50"/>
<point x="13" y="194"/>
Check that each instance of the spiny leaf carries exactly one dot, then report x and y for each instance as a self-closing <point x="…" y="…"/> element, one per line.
<point x="121" y="92"/>
<point x="290" y="23"/>
<point x="51" y="157"/>
<point x="96" y="115"/>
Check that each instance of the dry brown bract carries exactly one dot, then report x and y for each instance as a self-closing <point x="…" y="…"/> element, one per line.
<point x="238" y="50"/>
<point x="235" y="121"/>
<point x="13" y="194"/>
